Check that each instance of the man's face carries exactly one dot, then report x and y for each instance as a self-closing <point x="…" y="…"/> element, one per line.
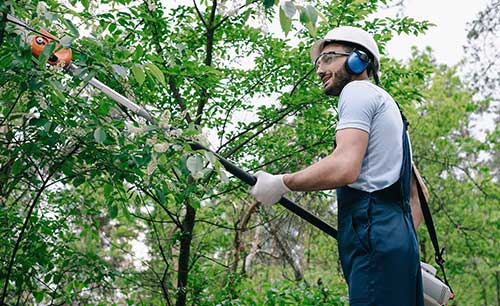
<point x="330" y="69"/>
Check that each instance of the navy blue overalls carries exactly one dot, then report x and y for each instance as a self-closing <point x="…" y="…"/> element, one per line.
<point x="377" y="242"/>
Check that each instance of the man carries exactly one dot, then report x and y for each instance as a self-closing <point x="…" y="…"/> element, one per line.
<point x="371" y="170"/>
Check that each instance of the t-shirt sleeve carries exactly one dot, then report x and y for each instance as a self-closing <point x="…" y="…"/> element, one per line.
<point x="358" y="104"/>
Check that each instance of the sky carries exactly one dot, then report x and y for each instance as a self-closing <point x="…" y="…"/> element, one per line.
<point x="447" y="37"/>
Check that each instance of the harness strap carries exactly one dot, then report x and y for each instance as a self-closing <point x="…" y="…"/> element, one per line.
<point x="429" y="223"/>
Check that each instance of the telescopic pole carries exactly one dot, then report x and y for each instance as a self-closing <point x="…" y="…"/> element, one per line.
<point x="229" y="166"/>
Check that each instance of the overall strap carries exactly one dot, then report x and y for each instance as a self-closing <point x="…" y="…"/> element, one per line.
<point x="429" y="223"/>
<point x="406" y="168"/>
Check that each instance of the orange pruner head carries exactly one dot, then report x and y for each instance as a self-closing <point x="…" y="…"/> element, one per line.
<point x="38" y="43"/>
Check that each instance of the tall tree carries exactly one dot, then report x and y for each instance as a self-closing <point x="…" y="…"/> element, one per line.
<point x="83" y="182"/>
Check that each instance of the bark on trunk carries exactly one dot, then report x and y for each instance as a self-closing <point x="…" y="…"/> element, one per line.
<point x="184" y="254"/>
<point x="285" y="250"/>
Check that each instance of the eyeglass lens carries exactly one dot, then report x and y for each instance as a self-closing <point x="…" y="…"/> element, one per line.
<point x="327" y="58"/>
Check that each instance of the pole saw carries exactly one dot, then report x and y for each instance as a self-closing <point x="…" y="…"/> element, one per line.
<point x="436" y="292"/>
<point x="62" y="56"/>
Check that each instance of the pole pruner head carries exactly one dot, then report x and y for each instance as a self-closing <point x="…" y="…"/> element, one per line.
<point x="61" y="57"/>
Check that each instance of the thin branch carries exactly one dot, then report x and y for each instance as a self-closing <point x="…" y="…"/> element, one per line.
<point x="171" y="81"/>
<point x="172" y="216"/>
<point x="228" y="16"/>
<point x="251" y="89"/>
<point x="287" y="156"/>
<point x="464" y="171"/>
<point x="35" y="166"/>
<point x="158" y="241"/>
<point x="12" y="107"/>
<point x="151" y="220"/>
<point x="26" y="221"/>
<point x="70" y="177"/>
<point x="303" y="78"/>
<point x="272" y="123"/>
<point x="213" y="260"/>
<point x="208" y="62"/>
<point x="300" y="81"/>
<point x="199" y="14"/>
<point x="178" y="97"/>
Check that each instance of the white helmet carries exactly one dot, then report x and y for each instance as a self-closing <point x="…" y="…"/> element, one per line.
<point x="352" y="35"/>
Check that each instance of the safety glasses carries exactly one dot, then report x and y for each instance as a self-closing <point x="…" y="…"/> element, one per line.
<point x="327" y="57"/>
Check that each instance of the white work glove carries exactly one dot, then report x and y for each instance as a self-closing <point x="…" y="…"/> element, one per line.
<point x="269" y="188"/>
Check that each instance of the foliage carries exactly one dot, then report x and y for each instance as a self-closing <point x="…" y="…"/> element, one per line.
<point x="84" y="182"/>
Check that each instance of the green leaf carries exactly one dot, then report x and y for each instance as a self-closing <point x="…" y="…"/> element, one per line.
<point x="211" y="157"/>
<point x="17" y="167"/>
<point x="268" y="3"/>
<point x="47" y="278"/>
<point x="85" y="4"/>
<point x="312" y="29"/>
<point x="103" y="109"/>
<point x="120" y="70"/>
<point x="138" y="73"/>
<point x="195" y="203"/>
<point x="99" y="135"/>
<point x="108" y="189"/>
<point x="156" y="72"/>
<point x="308" y="14"/>
<point x="285" y="22"/>
<point x="46" y="53"/>
<point x="160" y="196"/>
<point x="289" y="9"/>
<point x="78" y="181"/>
<point x="223" y="177"/>
<point x="66" y="41"/>
<point x="72" y="28"/>
<point x="126" y="213"/>
<point x="38" y="296"/>
<point x="113" y="211"/>
<point x="112" y="27"/>
<point x="194" y="164"/>
<point x="171" y="199"/>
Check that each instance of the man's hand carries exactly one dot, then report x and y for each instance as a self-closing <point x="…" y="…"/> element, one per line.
<point x="269" y="188"/>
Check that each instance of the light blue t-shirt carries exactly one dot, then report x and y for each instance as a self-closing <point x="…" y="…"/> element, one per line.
<point x="365" y="106"/>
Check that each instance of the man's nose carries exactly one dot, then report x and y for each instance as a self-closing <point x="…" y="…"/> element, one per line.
<point x="319" y="71"/>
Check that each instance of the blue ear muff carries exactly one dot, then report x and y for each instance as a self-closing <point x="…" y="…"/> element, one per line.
<point x="357" y="62"/>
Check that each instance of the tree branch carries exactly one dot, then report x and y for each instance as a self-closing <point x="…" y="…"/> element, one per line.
<point x="227" y="17"/>
<point x="199" y="14"/>
<point x="171" y="81"/>
<point x="26" y="221"/>
<point x="178" y="97"/>
<point x="152" y="196"/>
<point x="208" y="62"/>
<point x="162" y="253"/>
<point x="12" y="108"/>
<point x="262" y="122"/>
<point x="272" y="123"/>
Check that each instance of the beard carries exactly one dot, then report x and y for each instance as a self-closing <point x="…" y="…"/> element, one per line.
<point x="339" y="81"/>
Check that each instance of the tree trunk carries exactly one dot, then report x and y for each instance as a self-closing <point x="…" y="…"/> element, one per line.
<point x="285" y="250"/>
<point x="184" y="254"/>
<point x="498" y="287"/>
<point x="237" y="244"/>
<point x="253" y="250"/>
